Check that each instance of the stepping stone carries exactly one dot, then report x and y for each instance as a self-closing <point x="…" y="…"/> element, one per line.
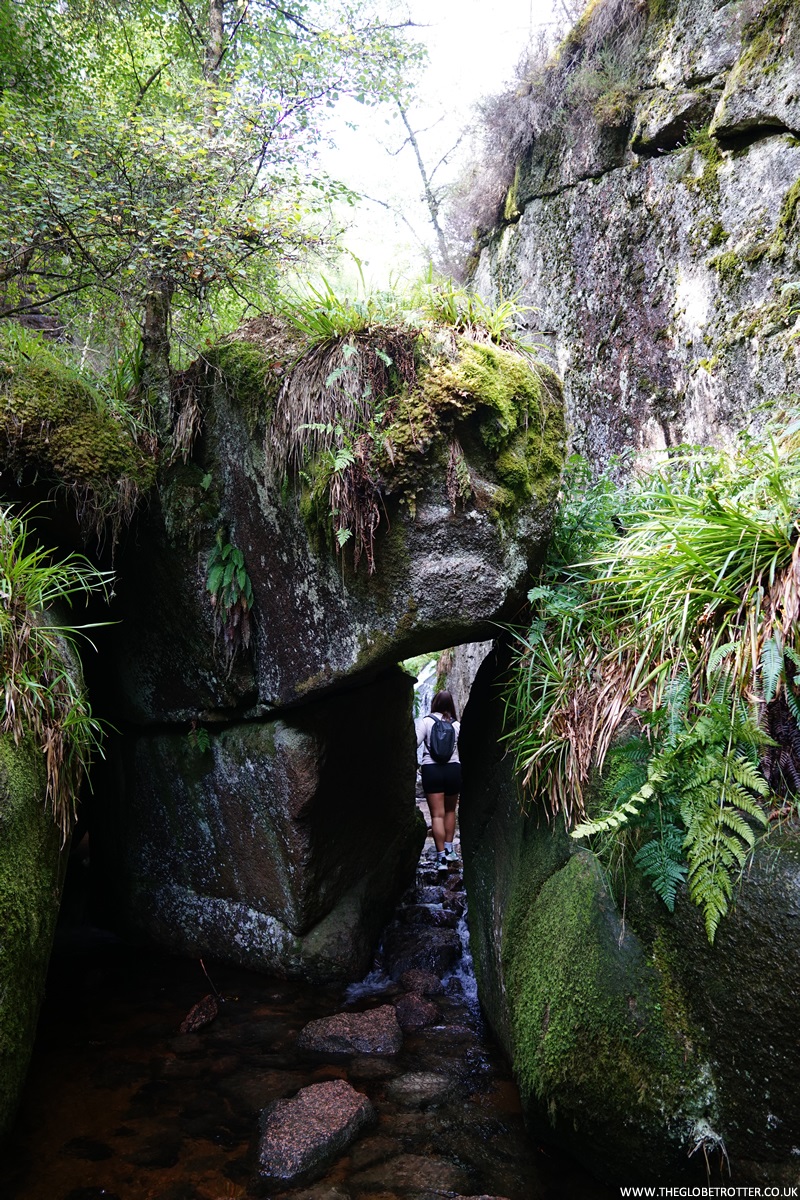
<point x="437" y="951"/>
<point x="418" y="1089"/>
<point x="423" y="983"/>
<point x="372" y="1032"/>
<point x="412" y="1173"/>
<point x="415" y="1013"/>
<point x="301" y="1137"/>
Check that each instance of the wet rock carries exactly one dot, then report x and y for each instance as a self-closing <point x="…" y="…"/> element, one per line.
<point x="419" y="1089"/>
<point x="412" y="1173"/>
<point x="202" y="1014"/>
<point x="429" y="914"/>
<point x="156" y="1152"/>
<point x="302" y="1136"/>
<point x="414" y="1012"/>
<point x="424" y="983"/>
<point x="437" y="951"/>
<point x="88" y="1149"/>
<point x="373" y="1149"/>
<point x="429" y="894"/>
<point x="374" y="1032"/>
<point x="366" y="1067"/>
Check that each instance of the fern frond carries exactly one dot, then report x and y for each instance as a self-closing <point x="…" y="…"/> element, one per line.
<point x="718" y="656"/>
<point x="620" y="816"/>
<point x="676" y="698"/>
<point x="771" y="666"/>
<point x="661" y="861"/>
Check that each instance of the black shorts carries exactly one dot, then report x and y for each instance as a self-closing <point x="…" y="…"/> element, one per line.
<point x="441" y="777"/>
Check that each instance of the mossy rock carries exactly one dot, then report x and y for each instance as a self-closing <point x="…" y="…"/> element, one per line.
<point x="32" y="866"/>
<point x="53" y="426"/>
<point x="504" y="409"/>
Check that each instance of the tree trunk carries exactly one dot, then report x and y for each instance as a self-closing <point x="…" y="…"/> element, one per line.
<point x="215" y="48"/>
<point x="155" y="381"/>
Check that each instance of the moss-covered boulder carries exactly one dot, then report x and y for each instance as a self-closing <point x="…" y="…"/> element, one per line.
<point x="458" y="504"/>
<point x="645" y="1052"/>
<point x="32" y="865"/>
<point x="55" y="429"/>
<point x="284" y="842"/>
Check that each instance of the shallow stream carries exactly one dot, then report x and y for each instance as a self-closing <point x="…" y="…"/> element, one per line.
<point x="120" y="1106"/>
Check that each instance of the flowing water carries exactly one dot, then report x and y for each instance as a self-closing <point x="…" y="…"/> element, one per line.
<point x="120" y="1106"/>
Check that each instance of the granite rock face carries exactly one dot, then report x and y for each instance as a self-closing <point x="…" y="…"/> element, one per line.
<point x="255" y="849"/>
<point x="660" y="251"/>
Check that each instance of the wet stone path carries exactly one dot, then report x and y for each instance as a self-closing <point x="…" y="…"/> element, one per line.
<point x="121" y="1106"/>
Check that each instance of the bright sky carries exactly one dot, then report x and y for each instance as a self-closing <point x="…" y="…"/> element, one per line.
<point x="473" y="47"/>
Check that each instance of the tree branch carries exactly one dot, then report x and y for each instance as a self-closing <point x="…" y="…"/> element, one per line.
<point x="430" y="197"/>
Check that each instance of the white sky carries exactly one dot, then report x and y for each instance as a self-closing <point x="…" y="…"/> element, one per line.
<point x="473" y="47"/>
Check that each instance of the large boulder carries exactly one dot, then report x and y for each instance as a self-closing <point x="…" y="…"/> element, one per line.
<point x="448" y="562"/>
<point x="32" y="864"/>
<point x="638" y="1047"/>
<point x="261" y="807"/>
<point x="301" y="1137"/>
<point x="267" y="847"/>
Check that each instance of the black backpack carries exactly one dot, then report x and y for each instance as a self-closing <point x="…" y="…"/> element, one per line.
<point x="441" y="739"/>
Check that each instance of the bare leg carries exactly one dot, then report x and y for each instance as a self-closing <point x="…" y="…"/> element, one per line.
<point x="436" y="805"/>
<point x="450" y="803"/>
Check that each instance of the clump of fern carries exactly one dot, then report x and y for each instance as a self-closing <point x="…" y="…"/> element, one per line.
<point x="43" y="694"/>
<point x="682" y="618"/>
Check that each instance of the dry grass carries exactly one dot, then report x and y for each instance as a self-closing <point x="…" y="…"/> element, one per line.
<point x="345" y="382"/>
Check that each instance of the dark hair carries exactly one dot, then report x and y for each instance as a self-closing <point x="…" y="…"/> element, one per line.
<point x="443" y="703"/>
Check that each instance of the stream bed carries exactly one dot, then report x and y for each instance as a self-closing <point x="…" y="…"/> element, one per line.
<point x="120" y="1106"/>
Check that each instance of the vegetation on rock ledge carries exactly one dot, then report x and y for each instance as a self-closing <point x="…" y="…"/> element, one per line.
<point x="666" y="628"/>
<point x="43" y="696"/>
<point x="445" y="382"/>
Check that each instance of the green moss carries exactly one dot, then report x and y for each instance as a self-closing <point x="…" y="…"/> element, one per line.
<point x="502" y="409"/>
<point x="511" y="210"/>
<point x="248" y="374"/>
<point x="707" y="183"/>
<point x="590" y="1026"/>
<point x="729" y="266"/>
<point x="787" y="221"/>
<point x="54" y="424"/>
<point x="31" y="874"/>
<point x="614" y="107"/>
<point x="717" y="234"/>
<point x="661" y="10"/>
